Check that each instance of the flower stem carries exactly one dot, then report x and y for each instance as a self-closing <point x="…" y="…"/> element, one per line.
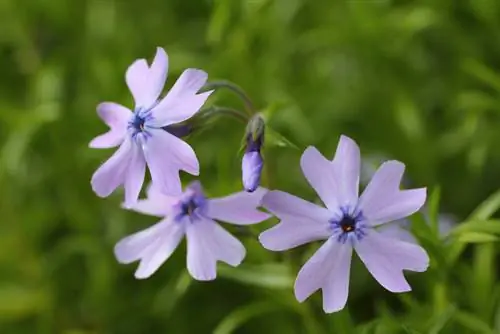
<point x="249" y="107"/>
<point x="242" y="117"/>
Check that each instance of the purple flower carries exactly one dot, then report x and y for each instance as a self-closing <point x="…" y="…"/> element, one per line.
<point x="347" y="223"/>
<point x="190" y="214"/>
<point x="140" y="135"/>
<point x="252" y="163"/>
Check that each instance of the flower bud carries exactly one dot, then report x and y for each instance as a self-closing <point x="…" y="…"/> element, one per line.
<point x="253" y="163"/>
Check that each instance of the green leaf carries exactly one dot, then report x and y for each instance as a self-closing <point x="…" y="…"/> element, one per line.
<point x="433" y="205"/>
<point x="476" y="237"/>
<point x="491" y="226"/>
<point x="277" y="139"/>
<point x="487" y="208"/>
<point x="472" y="322"/>
<point x="19" y="301"/>
<point x="271" y="276"/>
<point x="482" y="73"/>
<point x="238" y="317"/>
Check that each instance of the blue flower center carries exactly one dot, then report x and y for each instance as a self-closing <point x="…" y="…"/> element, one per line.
<point x="192" y="207"/>
<point x="187" y="209"/>
<point x="137" y="124"/>
<point x="348" y="226"/>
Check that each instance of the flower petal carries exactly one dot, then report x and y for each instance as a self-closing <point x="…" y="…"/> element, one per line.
<point x="182" y="101"/>
<point x="157" y="74"/>
<point x="112" y="138"/>
<point x="146" y="83"/>
<point x="156" y="203"/>
<point x="207" y="243"/>
<point x="383" y="201"/>
<point x="166" y="155"/>
<point x="111" y="174"/>
<point x="153" y="246"/>
<point x="386" y="258"/>
<point x="336" y="182"/>
<point x="116" y="117"/>
<point x="319" y="173"/>
<point x="301" y="222"/>
<point x="347" y="167"/>
<point x="239" y="208"/>
<point x="328" y="269"/>
<point x="396" y="230"/>
<point x="135" y="176"/>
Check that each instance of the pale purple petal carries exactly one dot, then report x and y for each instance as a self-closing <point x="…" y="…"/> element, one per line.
<point x="301" y="222"/>
<point x="146" y="83"/>
<point x="111" y="174"/>
<point x="347" y="166"/>
<point x="328" y="269"/>
<point x="207" y="243"/>
<point x="157" y="75"/>
<point x="239" y="208"/>
<point x="166" y="155"/>
<point x="395" y="230"/>
<point x="156" y="203"/>
<point x="153" y="246"/>
<point x="112" y="138"/>
<point x="336" y="182"/>
<point x="113" y="114"/>
<point x="182" y="101"/>
<point x="136" y="77"/>
<point x="135" y="176"/>
<point x="116" y="117"/>
<point x="386" y="258"/>
<point x="319" y="173"/>
<point x="383" y="201"/>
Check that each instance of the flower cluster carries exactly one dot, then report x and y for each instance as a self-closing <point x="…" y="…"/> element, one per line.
<point x="146" y="138"/>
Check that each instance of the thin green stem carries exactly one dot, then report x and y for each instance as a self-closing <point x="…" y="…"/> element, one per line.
<point x="249" y="107"/>
<point x="242" y="117"/>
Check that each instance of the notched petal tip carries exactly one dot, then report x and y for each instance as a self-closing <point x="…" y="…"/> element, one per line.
<point x="142" y="275"/>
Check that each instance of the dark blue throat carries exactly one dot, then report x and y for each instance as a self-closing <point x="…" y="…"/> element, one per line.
<point x="137" y="123"/>
<point x="347" y="224"/>
<point x="193" y="208"/>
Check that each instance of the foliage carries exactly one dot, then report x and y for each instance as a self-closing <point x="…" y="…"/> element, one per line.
<point x="418" y="81"/>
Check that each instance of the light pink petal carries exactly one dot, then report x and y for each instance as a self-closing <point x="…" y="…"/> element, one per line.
<point x="135" y="176"/>
<point x="383" y="201"/>
<point x="328" y="269"/>
<point x="111" y="174"/>
<point x="156" y="203"/>
<point x="112" y="138"/>
<point x="386" y="258"/>
<point x="239" y="208"/>
<point x="182" y="101"/>
<point x="145" y="83"/>
<point x="207" y="243"/>
<point x="301" y="222"/>
<point x="166" y="155"/>
<point x="347" y="167"/>
<point x="153" y="246"/>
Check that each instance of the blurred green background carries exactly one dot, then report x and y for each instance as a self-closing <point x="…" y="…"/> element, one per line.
<point x="418" y="81"/>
